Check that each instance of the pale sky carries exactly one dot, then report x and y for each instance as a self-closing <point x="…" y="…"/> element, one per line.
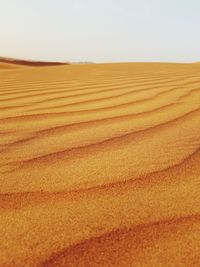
<point x="101" y="30"/>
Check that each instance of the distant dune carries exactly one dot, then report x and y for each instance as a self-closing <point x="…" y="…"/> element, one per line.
<point x="100" y="165"/>
<point x="11" y="62"/>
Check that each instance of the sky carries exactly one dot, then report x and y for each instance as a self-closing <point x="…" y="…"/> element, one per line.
<point x="101" y="30"/>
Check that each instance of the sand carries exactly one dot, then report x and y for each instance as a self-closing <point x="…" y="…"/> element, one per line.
<point x="100" y="165"/>
<point x="13" y="63"/>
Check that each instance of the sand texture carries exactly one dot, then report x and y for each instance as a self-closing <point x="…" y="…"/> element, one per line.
<point x="100" y="165"/>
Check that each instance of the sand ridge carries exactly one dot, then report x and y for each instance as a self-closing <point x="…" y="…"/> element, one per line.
<point x="99" y="165"/>
<point x="16" y="63"/>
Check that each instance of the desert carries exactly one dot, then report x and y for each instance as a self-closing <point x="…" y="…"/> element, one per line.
<point x="99" y="164"/>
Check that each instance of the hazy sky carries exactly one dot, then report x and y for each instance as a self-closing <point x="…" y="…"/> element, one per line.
<point x="101" y="30"/>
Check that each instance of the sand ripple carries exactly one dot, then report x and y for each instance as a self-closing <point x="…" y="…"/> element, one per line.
<point x="99" y="165"/>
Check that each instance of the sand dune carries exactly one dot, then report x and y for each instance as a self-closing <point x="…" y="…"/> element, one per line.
<point x="100" y="165"/>
<point x="13" y="63"/>
<point x="7" y="66"/>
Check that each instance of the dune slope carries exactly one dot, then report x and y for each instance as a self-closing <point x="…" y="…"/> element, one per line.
<point x="16" y="63"/>
<point x="100" y="165"/>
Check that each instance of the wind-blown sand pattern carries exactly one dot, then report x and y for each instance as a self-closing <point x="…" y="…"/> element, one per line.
<point x="100" y="165"/>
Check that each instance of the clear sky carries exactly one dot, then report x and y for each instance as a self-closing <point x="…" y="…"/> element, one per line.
<point x="101" y="30"/>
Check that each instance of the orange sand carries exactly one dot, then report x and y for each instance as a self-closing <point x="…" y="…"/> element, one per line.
<point x="100" y="165"/>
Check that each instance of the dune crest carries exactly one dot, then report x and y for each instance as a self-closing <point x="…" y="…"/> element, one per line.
<point x="14" y="63"/>
<point x="100" y="164"/>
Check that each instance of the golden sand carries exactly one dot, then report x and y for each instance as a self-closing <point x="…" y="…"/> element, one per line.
<point x="100" y="165"/>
